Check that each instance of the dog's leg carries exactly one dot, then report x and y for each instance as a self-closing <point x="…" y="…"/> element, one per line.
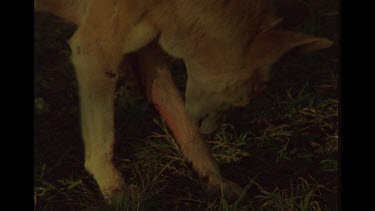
<point x="164" y="95"/>
<point x="96" y="72"/>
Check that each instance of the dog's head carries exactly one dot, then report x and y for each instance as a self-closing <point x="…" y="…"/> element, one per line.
<point x="209" y="95"/>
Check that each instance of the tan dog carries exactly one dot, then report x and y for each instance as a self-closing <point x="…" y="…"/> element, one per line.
<point x="228" y="48"/>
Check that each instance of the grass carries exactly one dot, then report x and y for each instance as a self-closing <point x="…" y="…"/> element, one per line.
<point x="283" y="147"/>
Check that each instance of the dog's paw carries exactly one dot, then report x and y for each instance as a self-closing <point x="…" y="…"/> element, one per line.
<point x="125" y="197"/>
<point x="113" y="194"/>
<point x="228" y="189"/>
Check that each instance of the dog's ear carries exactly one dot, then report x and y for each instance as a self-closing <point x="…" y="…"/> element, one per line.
<point x="268" y="47"/>
<point x="293" y="12"/>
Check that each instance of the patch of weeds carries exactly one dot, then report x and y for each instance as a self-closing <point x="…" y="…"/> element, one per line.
<point x="302" y="196"/>
<point x="227" y="146"/>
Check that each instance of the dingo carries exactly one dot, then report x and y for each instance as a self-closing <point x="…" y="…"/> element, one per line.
<point x="228" y="48"/>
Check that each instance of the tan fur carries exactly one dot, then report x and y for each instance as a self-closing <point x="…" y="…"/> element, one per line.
<point x="228" y="47"/>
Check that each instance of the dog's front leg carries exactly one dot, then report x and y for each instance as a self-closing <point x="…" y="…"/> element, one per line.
<point x="164" y="95"/>
<point x="96" y="72"/>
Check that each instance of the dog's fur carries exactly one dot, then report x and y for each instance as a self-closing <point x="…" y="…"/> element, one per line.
<point x="228" y="48"/>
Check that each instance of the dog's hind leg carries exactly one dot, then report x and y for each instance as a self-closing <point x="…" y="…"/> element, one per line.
<point x="164" y="95"/>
